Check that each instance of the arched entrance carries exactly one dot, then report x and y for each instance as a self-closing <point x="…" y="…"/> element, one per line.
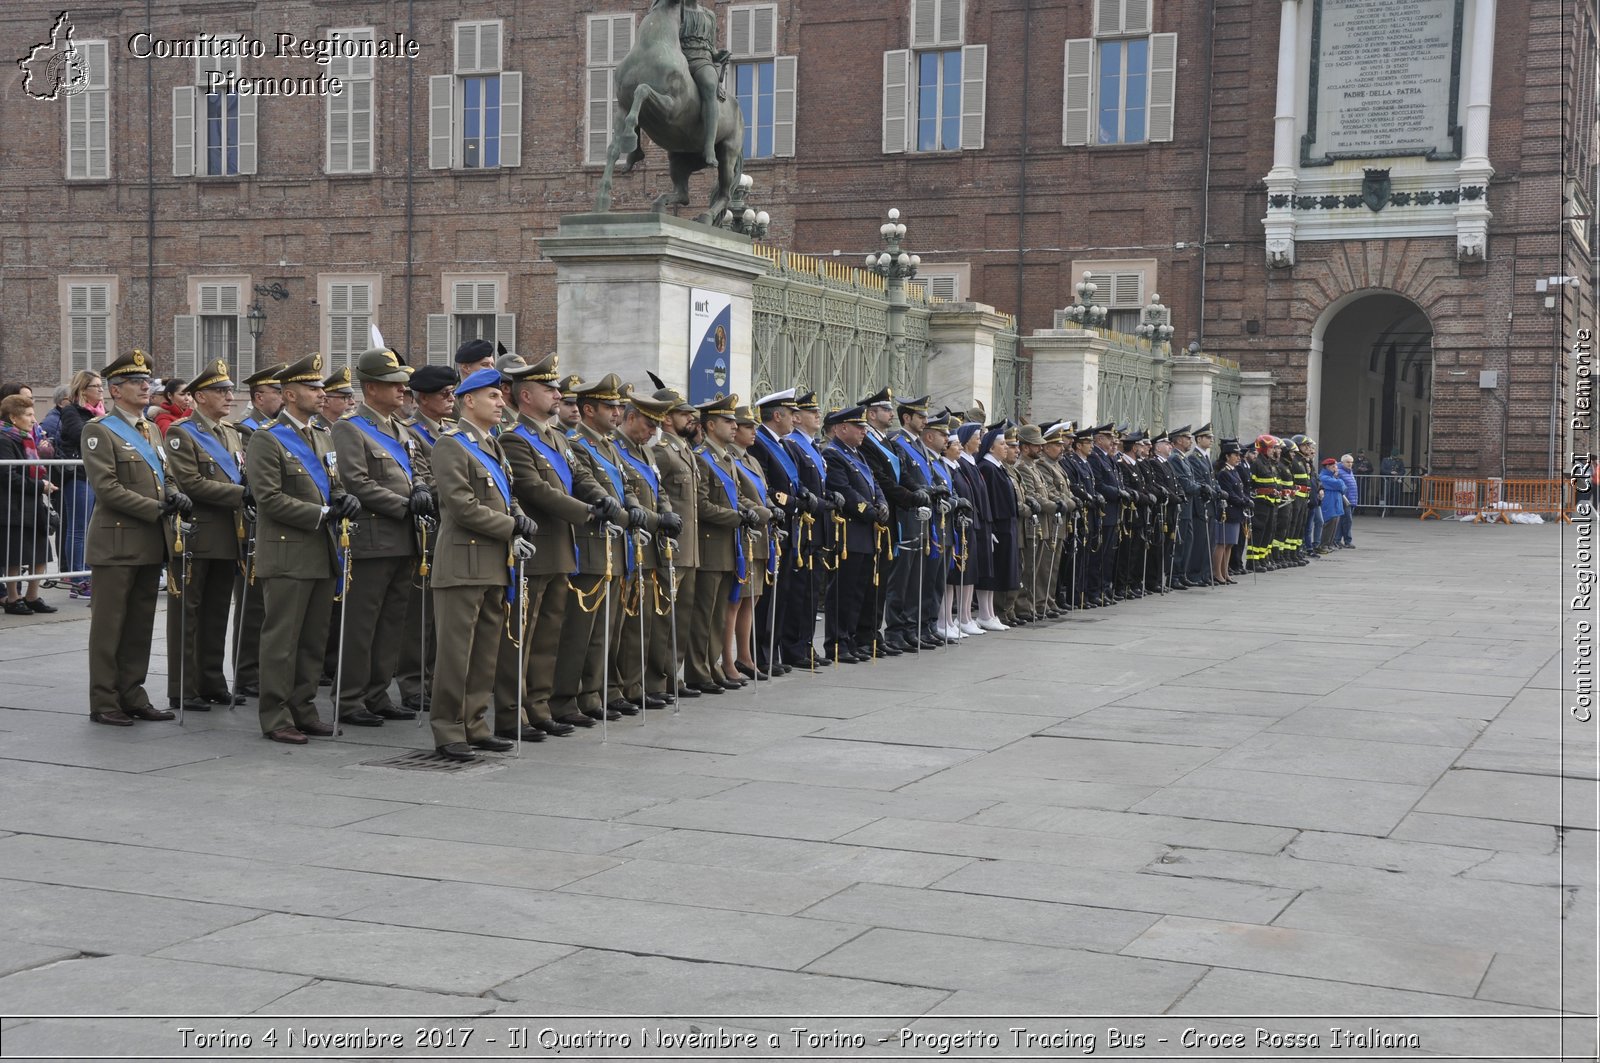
<point x="1374" y="391"/>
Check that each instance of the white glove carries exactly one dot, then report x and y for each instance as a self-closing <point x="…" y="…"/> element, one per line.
<point x="522" y="548"/>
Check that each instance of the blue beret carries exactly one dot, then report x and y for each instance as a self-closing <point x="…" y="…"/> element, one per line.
<point x="482" y="378"/>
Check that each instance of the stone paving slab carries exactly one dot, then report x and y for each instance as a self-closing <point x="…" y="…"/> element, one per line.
<point x="869" y="803"/>
<point x="793" y="856"/>
<point x="1452" y="732"/>
<point x="1169" y="830"/>
<point x="736" y="817"/>
<point x="87" y="920"/>
<point x="1004" y="843"/>
<point x="731" y="888"/>
<point x="1284" y="800"/>
<point x="140" y="985"/>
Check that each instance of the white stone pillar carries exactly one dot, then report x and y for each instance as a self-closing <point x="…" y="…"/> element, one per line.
<point x="1255" y="404"/>
<point x="622" y="295"/>
<point x="1194" y="385"/>
<point x="1473" y="214"/>
<point x="961" y="367"/>
<point x="1066" y="373"/>
<point x="1283" y="178"/>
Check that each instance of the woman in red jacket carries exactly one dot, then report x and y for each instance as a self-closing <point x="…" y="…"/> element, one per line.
<point x="173" y="404"/>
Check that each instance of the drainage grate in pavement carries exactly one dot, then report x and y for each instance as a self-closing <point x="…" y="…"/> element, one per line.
<point x="427" y="760"/>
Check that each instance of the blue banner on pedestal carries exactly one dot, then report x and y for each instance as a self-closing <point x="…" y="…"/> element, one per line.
<point x="710" y="344"/>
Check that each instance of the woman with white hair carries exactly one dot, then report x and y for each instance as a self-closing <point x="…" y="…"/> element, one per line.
<point x="1341" y="537"/>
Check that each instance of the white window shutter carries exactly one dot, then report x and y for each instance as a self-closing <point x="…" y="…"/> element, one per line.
<point x="784" y="69"/>
<point x="186" y="346"/>
<point x="227" y="299"/>
<point x="943" y="286"/>
<point x="1102" y="283"/>
<point x="360" y="93"/>
<point x="951" y="21"/>
<point x="924" y="23"/>
<point x="246" y="347"/>
<point x="1107" y="17"/>
<point x="1077" y="106"/>
<point x="337" y="134"/>
<point x="441" y="104"/>
<point x="1163" y="84"/>
<point x="598" y="114"/>
<point x="247" y="133"/>
<point x="599" y="40"/>
<point x="510" y="119"/>
<point x="489" y="46"/>
<point x="466" y="47"/>
<point x="1127" y="291"/>
<point x="88" y="116"/>
<point x="505" y="330"/>
<point x="439" y="339"/>
<point x="210" y="298"/>
<point x="183" y="131"/>
<point x="1135" y="16"/>
<point x="463" y="297"/>
<point x="488" y="297"/>
<point x="896" y="100"/>
<point x="741" y="33"/>
<point x="764" y="30"/>
<point x="974" y="75"/>
<point x="621" y="38"/>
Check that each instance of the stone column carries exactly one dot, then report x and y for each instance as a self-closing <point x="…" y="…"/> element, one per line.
<point x="1255" y="404"/>
<point x="961" y="367"/>
<point x="1283" y="178"/>
<point x="1194" y="383"/>
<point x="1474" y="172"/>
<point x="1066" y="373"/>
<point x="622" y="295"/>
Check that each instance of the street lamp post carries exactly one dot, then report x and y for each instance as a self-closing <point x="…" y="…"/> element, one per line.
<point x="1085" y="311"/>
<point x="1156" y="322"/>
<point x="257" y="321"/>
<point x="741" y="217"/>
<point x="896" y="267"/>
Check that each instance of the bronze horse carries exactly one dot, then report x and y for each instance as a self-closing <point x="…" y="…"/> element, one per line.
<point x="654" y="92"/>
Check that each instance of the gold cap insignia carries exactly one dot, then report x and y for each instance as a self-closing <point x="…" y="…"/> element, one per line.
<point x="221" y="368"/>
<point x="138" y="359"/>
<point x="316" y="363"/>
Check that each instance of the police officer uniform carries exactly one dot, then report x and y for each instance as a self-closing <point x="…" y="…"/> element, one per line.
<point x="884" y="620"/>
<point x="790" y="501"/>
<point x="385" y="466"/>
<point x="808" y="538"/>
<point x="414" y="672"/>
<point x="128" y="540"/>
<point x="205" y="462"/>
<point x="852" y="544"/>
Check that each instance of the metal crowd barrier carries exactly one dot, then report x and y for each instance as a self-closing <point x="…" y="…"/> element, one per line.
<point x="1377" y="493"/>
<point x="51" y="554"/>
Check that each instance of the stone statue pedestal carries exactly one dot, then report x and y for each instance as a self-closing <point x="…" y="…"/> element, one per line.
<point x="623" y="284"/>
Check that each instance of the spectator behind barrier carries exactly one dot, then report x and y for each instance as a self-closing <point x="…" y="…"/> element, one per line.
<point x="86" y="402"/>
<point x="1352" y="496"/>
<point x="28" y="516"/>
<point x="50" y="427"/>
<point x="174" y="403"/>
<point x="1333" y="503"/>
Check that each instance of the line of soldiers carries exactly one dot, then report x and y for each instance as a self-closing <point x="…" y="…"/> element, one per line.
<point x="523" y="554"/>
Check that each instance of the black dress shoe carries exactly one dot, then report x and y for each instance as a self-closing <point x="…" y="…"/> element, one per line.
<point x="602" y="714"/>
<point x="745" y="670"/>
<point x="822" y="661"/>
<point x="246" y="692"/>
<point x="191" y="705"/>
<point x="225" y="699"/>
<point x="150" y="712"/>
<point x="456" y="751"/>
<point x="730" y="684"/>
<point x="688" y="692"/>
<point x="930" y="643"/>
<point x="885" y="649"/>
<point x="362" y="718"/>
<point x="529" y="734"/>
<point x="112" y="718"/>
<point x="578" y="720"/>
<point x="707" y="688"/>
<point x="622" y="706"/>
<point x="413" y="703"/>
<point x="655" y="701"/>
<point x="493" y="744"/>
<point x="390" y="712"/>
<point x="39" y="605"/>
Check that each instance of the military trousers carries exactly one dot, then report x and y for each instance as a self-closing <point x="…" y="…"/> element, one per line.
<point x="772" y="610"/>
<point x="901" y="593"/>
<point x="797" y="636"/>
<point x="662" y="673"/>
<point x="935" y="572"/>
<point x="1110" y="543"/>
<point x="875" y="591"/>
<point x="1197" y="562"/>
<point x="847" y="598"/>
<point x="250" y="614"/>
<point x="122" y="619"/>
<point x="374" y="609"/>
<point x="470" y="623"/>
<point x="629" y="661"/>
<point x="578" y="672"/>
<point x="546" y="605"/>
<point x="202" y="611"/>
<point x="708" y="620"/>
<point x="418" y="645"/>
<point x="292" y="641"/>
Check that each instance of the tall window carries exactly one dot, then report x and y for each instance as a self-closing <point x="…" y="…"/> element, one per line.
<point x="475" y="305"/>
<point x="350" y="307"/>
<point x="88" y="321"/>
<point x="216" y="330"/>
<point x="1122" y="287"/>
<point x="763" y="81"/>
<point x="89" y="115"/>
<point x="934" y="92"/>
<point x="475" y="114"/>
<point x="349" y="131"/>
<point x="1120" y="84"/>
<point x="610" y="40"/>
<point x="213" y="133"/>
<point x="222" y="133"/>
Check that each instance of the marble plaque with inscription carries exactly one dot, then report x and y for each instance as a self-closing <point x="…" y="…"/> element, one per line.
<point x="1384" y="79"/>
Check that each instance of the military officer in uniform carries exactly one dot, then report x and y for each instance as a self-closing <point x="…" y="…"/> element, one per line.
<point x="761" y="552"/>
<point x="864" y="509"/>
<point x="483" y="535"/>
<point x="1198" y="568"/>
<point x="792" y="502"/>
<point x="299" y="503"/>
<point x="643" y="632"/>
<point x="203" y="460"/>
<point x="567" y="414"/>
<point x="384" y="465"/>
<point x="266" y="399"/>
<point x="338" y="395"/>
<point x="434" y="389"/>
<point x="433" y="394"/>
<point x="807" y="542"/>
<point x="266" y="402"/>
<point x="724" y="562"/>
<point x="557" y="493"/>
<point x="681" y="473"/>
<point x="473" y="355"/>
<point x="128" y="541"/>
<point x="581" y="663"/>
<point x="896" y="567"/>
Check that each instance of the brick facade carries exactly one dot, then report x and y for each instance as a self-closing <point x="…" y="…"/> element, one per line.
<point x="1019" y="212"/>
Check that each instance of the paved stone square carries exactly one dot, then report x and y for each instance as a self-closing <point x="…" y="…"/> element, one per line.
<point x="1349" y="791"/>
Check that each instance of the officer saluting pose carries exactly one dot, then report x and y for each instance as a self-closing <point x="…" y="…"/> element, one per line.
<point x="127" y="543"/>
<point x="299" y="501"/>
<point x="203" y="458"/>
<point x="482" y="534"/>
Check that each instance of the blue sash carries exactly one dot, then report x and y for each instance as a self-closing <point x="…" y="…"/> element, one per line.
<point x="810" y="448"/>
<point x="393" y="447"/>
<point x="119" y="427"/>
<point x="614" y="474"/>
<point x="501" y="481"/>
<point x="928" y="474"/>
<point x="644" y="470"/>
<point x="775" y="448"/>
<point x="559" y="464"/>
<point x="730" y="489"/>
<point x="422" y="429"/>
<point x="297" y="446"/>
<point x="255" y="424"/>
<point x="894" y="462"/>
<point x="213" y="448"/>
<point x="761" y="493"/>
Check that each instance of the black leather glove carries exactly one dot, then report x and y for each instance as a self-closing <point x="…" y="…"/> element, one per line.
<point x="836" y="501"/>
<point x="669" y="524"/>
<point x="249" y="498"/>
<point x="421" y="501"/>
<point x="1100" y="500"/>
<point x="344" y="507"/>
<point x="637" y="517"/>
<point x="1061" y="508"/>
<point x="526" y="528"/>
<point x="964" y="506"/>
<point x="922" y="498"/>
<point x="939" y="491"/>
<point x="749" y="518"/>
<point x="881" y="513"/>
<point x="607" y="509"/>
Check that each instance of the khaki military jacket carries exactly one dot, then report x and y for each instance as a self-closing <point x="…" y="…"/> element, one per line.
<point x="126" y="527"/>
<point x="719" y="523"/>
<point x="429" y="431"/>
<point x="293" y="539"/>
<point x="652" y="557"/>
<point x="475" y="524"/>
<point x="1052" y="480"/>
<point x="379" y="482"/>
<point x="542" y="496"/>
<point x="758" y="545"/>
<point x="218" y="502"/>
<point x="681" y="474"/>
<point x="246" y="430"/>
<point x="591" y="538"/>
<point x="1027" y="486"/>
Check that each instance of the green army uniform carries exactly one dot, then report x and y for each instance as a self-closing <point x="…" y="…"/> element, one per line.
<point x="205" y="462"/>
<point x="557" y="493"/>
<point x="753" y="494"/>
<point x="645" y="630"/>
<point x="127" y="544"/>
<point x="383" y="464"/>
<point x="1060" y="522"/>
<point x="681" y="473"/>
<point x="336" y="383"/>
<point x="415" y="674"/>
<point x="248" y="609"/>
<point x="581" y="663"/>
<point x="1017" y="603"/>
<point x="721" y="531"/>
<point x="295" y="566"/>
